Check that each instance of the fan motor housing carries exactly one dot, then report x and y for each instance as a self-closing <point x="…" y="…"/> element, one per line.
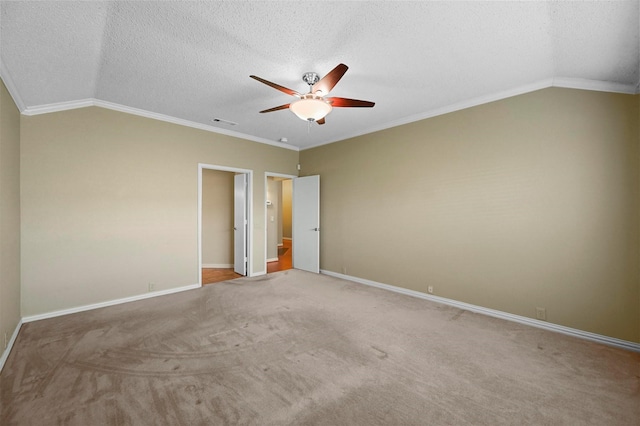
<point x="310" y="78"/>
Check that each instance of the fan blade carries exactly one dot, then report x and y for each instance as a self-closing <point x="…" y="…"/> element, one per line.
<point x="349" y="103"/>
<point x="276" y="86"/>
<point x="330" y="80"/>
<point x="321" y="121"/>
<point x="278" y="108"/>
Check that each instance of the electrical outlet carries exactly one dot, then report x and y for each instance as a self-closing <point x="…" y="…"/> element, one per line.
<point x="541" y="314"/>
<point x="430" y="289"/>
<point x="152" y="286"/>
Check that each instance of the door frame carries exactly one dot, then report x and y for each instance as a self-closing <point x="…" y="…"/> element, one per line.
<point x="267" y="175"/>
<point x="249" y="173"/>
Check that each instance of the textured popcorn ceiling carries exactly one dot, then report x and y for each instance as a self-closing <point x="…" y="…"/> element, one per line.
<point x="192" y="60"/>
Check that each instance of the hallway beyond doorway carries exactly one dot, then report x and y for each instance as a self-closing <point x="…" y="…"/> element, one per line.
<point x="284" y="261"/>
<point x="216" y="275"/>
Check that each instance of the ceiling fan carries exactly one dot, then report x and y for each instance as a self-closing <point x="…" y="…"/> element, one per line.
<point x="314" y="106"/>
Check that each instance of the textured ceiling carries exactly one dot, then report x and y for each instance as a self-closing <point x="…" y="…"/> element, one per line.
<point x="190" y="62"/>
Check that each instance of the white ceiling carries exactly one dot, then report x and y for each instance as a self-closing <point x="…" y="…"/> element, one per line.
<point x="189" y="62"/>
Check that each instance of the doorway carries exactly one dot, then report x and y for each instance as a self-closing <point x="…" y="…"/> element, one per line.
<point x="305" y="222"/>
<point x="278" y="222"/>
<point x="224" y="223"/>
<point x="278" y="213"/>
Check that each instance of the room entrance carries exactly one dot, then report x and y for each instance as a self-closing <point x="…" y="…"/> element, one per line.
<point x="224" y="231"/>
<point x="278" y="223"/>
<point x="292" y="222"/>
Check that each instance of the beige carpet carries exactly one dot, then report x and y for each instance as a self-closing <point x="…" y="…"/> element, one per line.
<point x="294" y="348"/>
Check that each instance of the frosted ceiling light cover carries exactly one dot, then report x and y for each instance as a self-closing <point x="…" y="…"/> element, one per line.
<point x="310" y="109"/>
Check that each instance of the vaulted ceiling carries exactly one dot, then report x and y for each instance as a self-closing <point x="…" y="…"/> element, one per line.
<point x="189" y="62"/>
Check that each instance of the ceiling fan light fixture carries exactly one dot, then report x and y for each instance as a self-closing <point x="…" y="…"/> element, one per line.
<point x="313" y="106"/>
<point x="310" y="108"/>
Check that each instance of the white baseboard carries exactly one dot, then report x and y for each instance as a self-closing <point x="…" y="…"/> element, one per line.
<point x="272" y="259"/>
<point x="7" y="350"/>
<point x="606" y="340"/>
<point x="218" y="265"/>
<point x="108" y="303"/>
<point x="286" y="238"/>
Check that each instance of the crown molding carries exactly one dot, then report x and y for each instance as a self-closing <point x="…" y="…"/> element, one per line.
<point x="83" y="103"/>
<point x="480" y="100"/>
<point x="58" y="106"/>
<point x="567" y="83"/>
<point x="187" y="123"/>
<point x="595" y="85"/>
<point x="562" y="82"/>
<point x="11" y="88"/>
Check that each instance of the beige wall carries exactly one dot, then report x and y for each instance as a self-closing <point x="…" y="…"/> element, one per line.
<point x="9" y="216"/>
<point x="109" y="204"/>
<point x="530" y="201"/>
<point x="217" y="218"/>
<point x="527" y="202"/>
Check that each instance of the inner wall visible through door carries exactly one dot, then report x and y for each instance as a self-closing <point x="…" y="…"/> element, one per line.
<point x="217" y="219"/>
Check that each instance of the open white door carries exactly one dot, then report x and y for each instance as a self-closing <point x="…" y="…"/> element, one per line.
<point x="240" y="224"/>
<point x="306" y="223"/>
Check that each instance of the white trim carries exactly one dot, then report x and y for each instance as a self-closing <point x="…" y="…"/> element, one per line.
<point x="217" y="265"/>
<point x="83" y="103"/>
<point x="59" y="106"/>
<point x="570" y="83"/>
<point x="92" y="306"/>
<point x="7" y="350"/>
<point x="266" y="223"/>
<point x="480" y="100"/>
<point x="598" y="338"/>
<point x="594" y="85"/>
<point x="257" y="274"/>
<point x="11" y="87"/>
<point x="272" y="259"/>
<point x="286" y="238"/>
<point x="248" y="172"/>
<point x="280" y="175"/>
